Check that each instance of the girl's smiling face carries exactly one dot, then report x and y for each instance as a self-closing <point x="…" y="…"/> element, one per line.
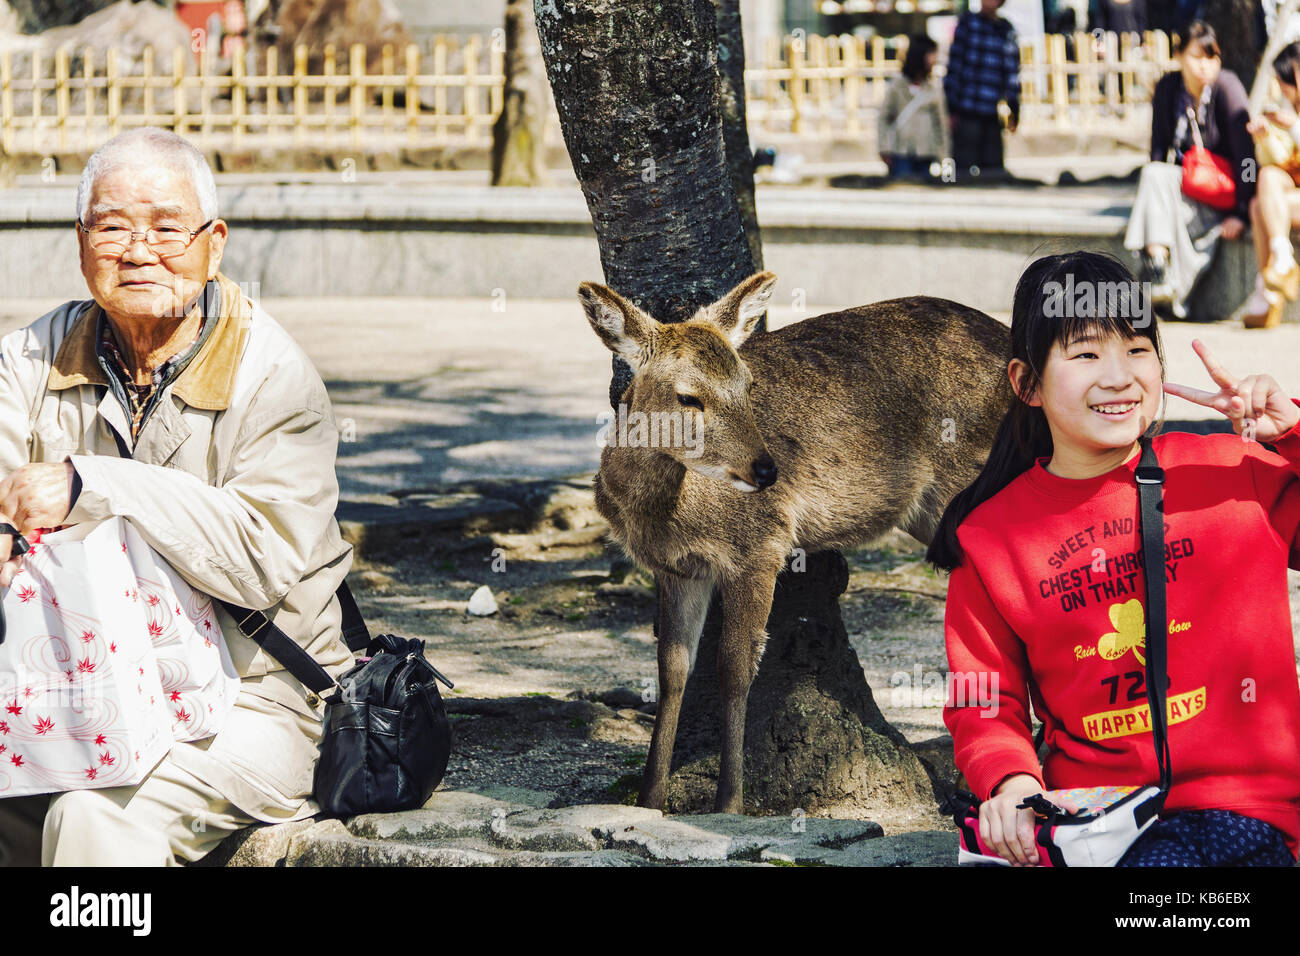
<point x="1099" y="395"/>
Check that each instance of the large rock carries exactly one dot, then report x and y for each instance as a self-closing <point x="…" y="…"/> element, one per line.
<point x="331" y="844"/>
<point x="35" y="16"/>
<point x="128" y="27"/>
<point x="922" y="848"/>
<point x="315" y="23"/>
<point x="570" y="829"/>
<point x="447" y="815"/>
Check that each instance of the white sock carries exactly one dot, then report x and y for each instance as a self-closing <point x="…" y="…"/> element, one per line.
<point x="1283" y="253"/>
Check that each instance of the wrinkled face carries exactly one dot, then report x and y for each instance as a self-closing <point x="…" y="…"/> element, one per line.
<point x="137" y="285"/>
<point x="1100" y="394"/>
<point x="690" y="394"/>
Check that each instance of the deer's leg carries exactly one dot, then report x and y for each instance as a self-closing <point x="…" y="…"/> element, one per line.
<point x="679" y="618"/>
<point x="745" y="606"/>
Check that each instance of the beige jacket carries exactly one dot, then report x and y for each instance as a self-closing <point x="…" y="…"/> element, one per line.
<point x="913" y="123"/>
<point x="232" y="481"/>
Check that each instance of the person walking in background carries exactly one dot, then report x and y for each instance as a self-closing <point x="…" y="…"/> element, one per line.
<point x="983" y="68"/>
<point x="912" y="126"/>
<point x="1175" y="236"/>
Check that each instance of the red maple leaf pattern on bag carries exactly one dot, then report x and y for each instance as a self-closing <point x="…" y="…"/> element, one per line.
<point x="107" y="759"/>
<point x="16" y="759"/>
<point x="44" y="725"/>
<point x="15" y="708"/>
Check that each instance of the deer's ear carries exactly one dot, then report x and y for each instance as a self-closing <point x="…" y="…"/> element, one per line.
<point x="737" y="312"/>
<point x="625" y="329"/>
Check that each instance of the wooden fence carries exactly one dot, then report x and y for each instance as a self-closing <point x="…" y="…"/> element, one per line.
<point x="449" y="94"/>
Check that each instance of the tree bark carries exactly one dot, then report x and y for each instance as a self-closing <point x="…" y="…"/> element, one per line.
<point x="518" y="151"/>
<point x="814" y="738"/>
<point x="635" y="83"/>
<point x="735" y="130"/>
<point x="636" y="86"/>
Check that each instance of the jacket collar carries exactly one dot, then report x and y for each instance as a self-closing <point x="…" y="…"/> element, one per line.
<point x="207" y="382"/>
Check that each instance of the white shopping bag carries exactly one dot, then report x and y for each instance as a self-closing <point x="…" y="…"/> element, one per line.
<point x="198" y="676"/>
<point x="81" y="704"/>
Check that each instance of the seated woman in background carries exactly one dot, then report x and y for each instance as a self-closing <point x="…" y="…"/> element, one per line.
<point x="1276" y="208"/>
<point x="1174" y="235"/>
<point x="912" y="130"/>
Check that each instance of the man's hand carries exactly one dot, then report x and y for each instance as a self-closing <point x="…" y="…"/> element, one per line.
<point x="1231" y="228"/>
<point x="37" y="496"/>
<point x="9" y="566"/>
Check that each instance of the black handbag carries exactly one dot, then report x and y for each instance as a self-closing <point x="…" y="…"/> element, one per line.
<point x="386" y="739"/>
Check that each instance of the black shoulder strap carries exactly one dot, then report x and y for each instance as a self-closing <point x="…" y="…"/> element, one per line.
<point x="258" y="627"/>
<point x="1150" y="482"/>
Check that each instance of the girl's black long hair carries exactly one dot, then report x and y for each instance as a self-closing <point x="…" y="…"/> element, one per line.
<point x="1043" y="314"/>
<point x="914" y="68"/>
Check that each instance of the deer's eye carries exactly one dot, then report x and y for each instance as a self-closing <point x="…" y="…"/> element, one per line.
<point x="690" y="401"/>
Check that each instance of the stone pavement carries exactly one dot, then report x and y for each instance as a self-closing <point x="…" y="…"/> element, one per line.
<point x="507" y="826"/>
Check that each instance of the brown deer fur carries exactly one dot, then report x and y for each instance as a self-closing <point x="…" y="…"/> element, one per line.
<point x="873" y="417"/>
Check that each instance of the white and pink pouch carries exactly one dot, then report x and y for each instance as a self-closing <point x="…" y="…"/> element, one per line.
<point x="107" y="657"/>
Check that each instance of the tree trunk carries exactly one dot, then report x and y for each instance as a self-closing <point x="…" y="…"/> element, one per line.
<point x="635" y="83"/>
<point x="1239" y="45"/>
<point x="518" y="152"/>
<point x="636" y="86"/>
<point x="814" y="738"/>
<point x="735" y="130"/>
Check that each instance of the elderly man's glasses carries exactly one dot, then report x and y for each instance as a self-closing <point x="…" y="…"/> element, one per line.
<point x="112" y="239"/>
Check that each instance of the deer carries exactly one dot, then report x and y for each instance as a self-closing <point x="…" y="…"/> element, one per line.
<point x="824" y="434"/>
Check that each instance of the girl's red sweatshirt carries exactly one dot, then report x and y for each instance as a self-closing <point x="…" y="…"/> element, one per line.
<point x="1048" y="605"/>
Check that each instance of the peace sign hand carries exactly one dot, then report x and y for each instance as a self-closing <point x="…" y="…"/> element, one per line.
<point x="1255" y="402"/>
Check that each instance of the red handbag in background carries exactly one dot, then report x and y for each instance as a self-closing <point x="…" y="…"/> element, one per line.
<point x="1207" y="177"/>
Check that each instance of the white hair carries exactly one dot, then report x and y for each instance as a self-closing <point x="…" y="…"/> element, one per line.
<point x="150" y="146"/>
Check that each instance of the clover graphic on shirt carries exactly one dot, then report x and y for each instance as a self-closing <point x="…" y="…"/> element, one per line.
<point x="1129" y="634"/>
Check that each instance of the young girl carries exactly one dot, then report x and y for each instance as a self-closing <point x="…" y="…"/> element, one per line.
<point x="912" y="128"/>
<point x="1045" y="600"/>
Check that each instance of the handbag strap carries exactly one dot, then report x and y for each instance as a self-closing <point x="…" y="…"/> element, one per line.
<point x="259" y="628"/>
<point x="1196" y="128"/>
<point x="1150" y="483"/>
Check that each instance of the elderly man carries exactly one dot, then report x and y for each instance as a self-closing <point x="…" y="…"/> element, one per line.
<point x="172" y="400"/>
